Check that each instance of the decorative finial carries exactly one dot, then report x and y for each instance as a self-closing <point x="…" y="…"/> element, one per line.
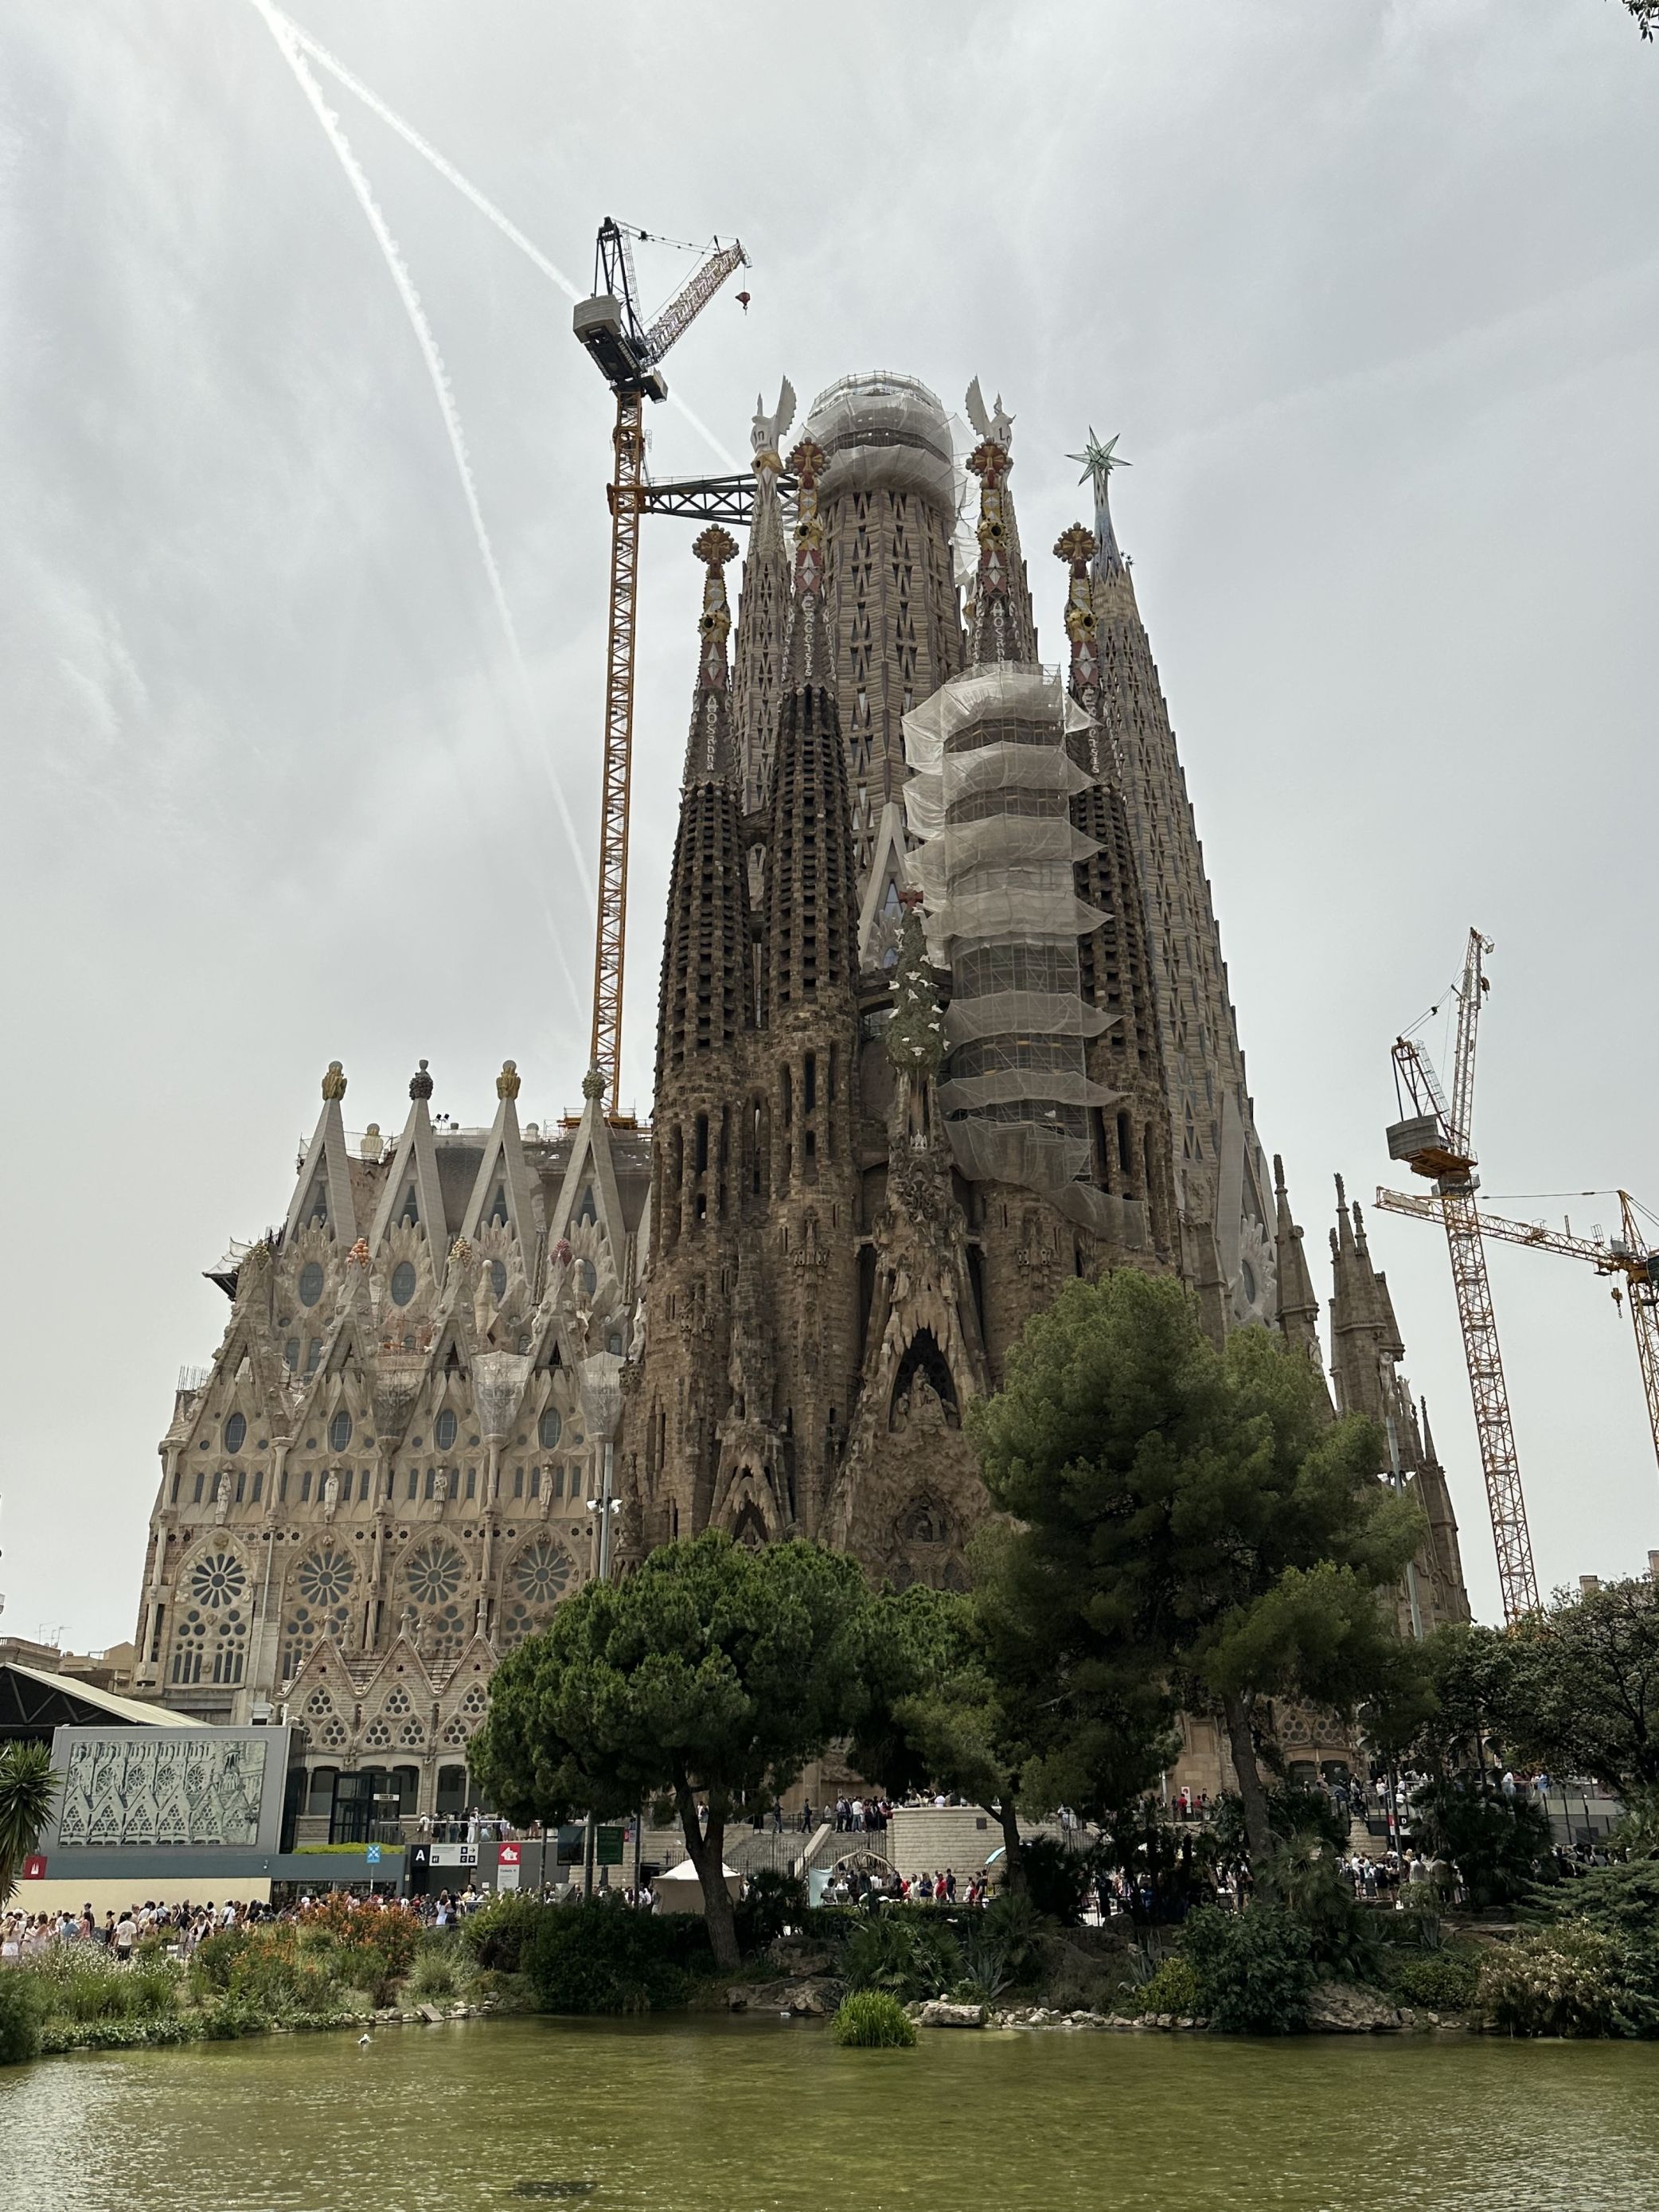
<point x="993" y="627"/>
<point x="1098" y="462"/>
<point x="334" y="1082"/>
<point x="420" y="1084"/>
<point x="807" y="656"/>
<point x="714" y="547"/>
<point x="1076" y="548"/>
<point x="592" y="1084"/>
<point x="507" y="1083"/>
<point x="358" y="1255"/>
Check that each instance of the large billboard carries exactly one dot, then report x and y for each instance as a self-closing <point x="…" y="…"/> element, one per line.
<point x="149" y="1787"/>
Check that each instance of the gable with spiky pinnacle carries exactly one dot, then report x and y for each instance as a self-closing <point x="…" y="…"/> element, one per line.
<point x="322" y="1196"/>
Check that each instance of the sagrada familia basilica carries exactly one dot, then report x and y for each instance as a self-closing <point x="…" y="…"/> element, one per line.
<point x="943" y="1023"/>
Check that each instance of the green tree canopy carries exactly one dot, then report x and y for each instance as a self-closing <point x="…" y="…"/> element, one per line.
<point x="1192" y="1513"/>
<point x="712" y="1674"/>
<point x="1582" y="1695"/>
<point x="976" y="1698"/>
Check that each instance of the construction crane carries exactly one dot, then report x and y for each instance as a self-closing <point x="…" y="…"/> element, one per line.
<point x="1627" y="1257"/>
<point x="1435" y="1139"/>
<point x="630" y="355"/>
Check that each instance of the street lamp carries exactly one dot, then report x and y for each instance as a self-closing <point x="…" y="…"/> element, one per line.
<point x="599" y="1379"/>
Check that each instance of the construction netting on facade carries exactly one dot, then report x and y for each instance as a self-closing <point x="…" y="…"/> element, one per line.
<point x="988" y="798"/>
<point x="891" y="432"/>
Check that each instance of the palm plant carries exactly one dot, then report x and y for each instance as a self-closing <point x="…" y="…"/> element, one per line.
<point x="28" y="1786"/>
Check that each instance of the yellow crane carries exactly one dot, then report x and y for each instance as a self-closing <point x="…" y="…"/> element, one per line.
<point x="1434" y="1139"/>
<point x="1627" y="1257"/>
<point x="629" y="355"/>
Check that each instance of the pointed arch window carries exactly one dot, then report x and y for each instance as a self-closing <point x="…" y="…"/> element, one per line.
<point x="585" y="1209"/>
<point x="318" y="1213"/>
<point x="498" y="1207"/>
<point x="411" y="1211"/>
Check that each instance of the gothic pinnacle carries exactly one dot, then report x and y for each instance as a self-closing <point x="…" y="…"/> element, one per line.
<point x="806" y="658"/>
<point x="710" y="753"/>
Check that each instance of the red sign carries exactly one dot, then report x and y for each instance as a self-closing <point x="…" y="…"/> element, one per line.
<point x="508" y="1855"/>
<point x="34" y="1866"/>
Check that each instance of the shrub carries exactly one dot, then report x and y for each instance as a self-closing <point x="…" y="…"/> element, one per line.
<point x="215" y="1957"/>
<point x="1500" y="1845"/>
<point x="1341" y="1933"/>
<point x="1253" y="1969"/>
<point x="1056" y="1881"/>
<point x="1014" y="1922"/>
<point x="497" y="1933"/>
<point x="872" y="2020"/>
<point x="1172" y="1989"/>
<point x="19" y="2019"/>
<point x="1441" y="1981"/>
<point x="1566" y="1980"/>
<point x="985" y="1973"/>
<point x="441" y="1969"/>
<point x="908" y="1954"/>
<point x="776" y="1901"/>
<point x="605" y="1958"/>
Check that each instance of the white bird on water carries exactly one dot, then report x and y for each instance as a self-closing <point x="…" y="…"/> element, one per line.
<point x="363" y="2042"/>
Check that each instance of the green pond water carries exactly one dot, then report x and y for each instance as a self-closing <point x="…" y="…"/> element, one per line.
<point x="767" y="2116"/>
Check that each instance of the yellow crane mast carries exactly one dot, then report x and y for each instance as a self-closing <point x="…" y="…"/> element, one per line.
<point x="1626" y="1256"/>
<point x="1434" y="1139"/>
<point x="629" y="356"/>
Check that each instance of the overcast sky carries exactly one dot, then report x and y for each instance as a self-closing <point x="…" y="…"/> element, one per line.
<point x="1369" y="291"/>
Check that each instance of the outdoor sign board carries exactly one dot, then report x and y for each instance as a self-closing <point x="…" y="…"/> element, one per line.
<point x="171" y="1788"/>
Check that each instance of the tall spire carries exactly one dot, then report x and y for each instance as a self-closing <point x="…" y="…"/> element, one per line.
<point x="711" y="754"/>
<point x="705" y="1000"/>
<point x="807" y="656"/>
<point x="763" y="608"/>
<point x="1076" y="548"/>
<point x="1298" y="1302"/>
<point x="1003" y="629"/>
<point x="1098" y="461"/>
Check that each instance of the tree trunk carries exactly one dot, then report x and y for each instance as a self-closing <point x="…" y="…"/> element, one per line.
<point x="1241" y="1744"/>
<point x="705" y="1848"/>
<point x="1008" y="1820"/>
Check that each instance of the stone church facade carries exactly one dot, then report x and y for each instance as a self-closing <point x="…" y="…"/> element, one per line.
<point x="943" y="1024"/>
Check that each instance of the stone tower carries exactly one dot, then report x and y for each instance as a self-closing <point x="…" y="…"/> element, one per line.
<point x="888" y="507"/>
<point x="1367" y="1349"/>
<point x="1221" y="1180"/>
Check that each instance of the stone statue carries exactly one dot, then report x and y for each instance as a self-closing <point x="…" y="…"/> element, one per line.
<point x="373" y="1143"/>
<point x="441" y="1487"/>
<point x="331" y="1494"/>
<point x="221" y="1498"/>
<point x="507" y="1083"/>
<point x="334" y="1082"/>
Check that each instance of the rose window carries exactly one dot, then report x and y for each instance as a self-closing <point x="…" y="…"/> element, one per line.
<point x="543" y="1572"/>
<point x="475" y="1700"/>
<point x="457" y="1732"/>
<point x="434" y="1573"/>
<point x="333" y="1734"/>
<point x="217" y="1581"/>
<point x="445" y="1633"/>
<point x="377" y="1736"/>
<point x="318" y="1704"/>
<point x="411" y="1735"/>
<point x="397" y="1704"/>
<point x="325" y="1577"/>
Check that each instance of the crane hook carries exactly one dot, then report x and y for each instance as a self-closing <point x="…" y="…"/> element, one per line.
<point x="743" y="301"/>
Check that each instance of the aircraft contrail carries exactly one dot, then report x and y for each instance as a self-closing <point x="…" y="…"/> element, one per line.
<point x="487" y="208"/>
<point x="279" y="28"/>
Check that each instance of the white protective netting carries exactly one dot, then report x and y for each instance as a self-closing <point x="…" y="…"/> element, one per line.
<point x="881" y="431"/>
<point x="988" y="796"/>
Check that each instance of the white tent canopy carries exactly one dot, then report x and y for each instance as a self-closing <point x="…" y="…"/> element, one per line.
<point x="679" y="1890"/>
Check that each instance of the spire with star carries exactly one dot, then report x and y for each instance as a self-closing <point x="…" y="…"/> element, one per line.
<point x="1098" y="461"/>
